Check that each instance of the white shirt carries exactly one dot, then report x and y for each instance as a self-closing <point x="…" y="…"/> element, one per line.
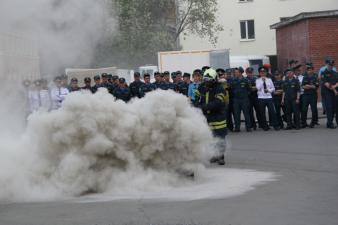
<point x="300" y="78"/>
<point x="260" y="88"/>
<point x="58" y="95"/>
<point x="39" y="99"/>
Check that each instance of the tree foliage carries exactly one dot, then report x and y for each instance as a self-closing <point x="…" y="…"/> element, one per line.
<point x="148" y="26"/>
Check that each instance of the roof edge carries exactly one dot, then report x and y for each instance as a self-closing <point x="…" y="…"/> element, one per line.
<point x="305" y="15"/>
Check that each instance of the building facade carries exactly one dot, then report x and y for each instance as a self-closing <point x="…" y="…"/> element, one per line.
<point x="19" y="58"/>
<point x="307" y="37"/>
<point x="247" y="23"/>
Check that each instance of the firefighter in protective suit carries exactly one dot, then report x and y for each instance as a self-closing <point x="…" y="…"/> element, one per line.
<point x="211" y="98"/>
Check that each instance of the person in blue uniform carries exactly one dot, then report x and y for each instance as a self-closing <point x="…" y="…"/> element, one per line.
<point x="97" y="85"/>
<point x="230" y="110"/>
<point x="210" y="98"/>
<point x="87" y="84"/>
<point x="277" y="97"/>
<point x="253" y="99"/>
<point x="310" y="84"/>
<point x="291" y="99"/>
<point x="123" y="91"/>
<point x="135" y="86"/>
<point x="105" y="83"/>
<point x="167" y="83"/>
<point x="159" y="83"/>
<point x="74" y="85"/>
<point x="330" y="93"/>
<point x="193" y="86"/>
<point x="147" y="86"/>
<point x="241" y="88"/>
<point x="182" y="86"/>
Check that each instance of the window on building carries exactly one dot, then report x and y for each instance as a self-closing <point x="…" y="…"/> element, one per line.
<point x="247" y="29"/>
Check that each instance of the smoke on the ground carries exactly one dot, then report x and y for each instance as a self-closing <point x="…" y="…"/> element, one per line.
<point x="94" y="144"/>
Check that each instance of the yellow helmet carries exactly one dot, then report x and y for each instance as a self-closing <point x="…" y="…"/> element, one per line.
<point x="210" y="74"/>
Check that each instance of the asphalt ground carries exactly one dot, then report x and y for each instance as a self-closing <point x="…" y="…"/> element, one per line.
<point x="305" y="193"/>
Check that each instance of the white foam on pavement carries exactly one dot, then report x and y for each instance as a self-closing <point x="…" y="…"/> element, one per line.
<point x="211" y="183"/>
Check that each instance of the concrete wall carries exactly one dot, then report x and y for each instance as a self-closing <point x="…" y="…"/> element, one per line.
<point x="265" y="13"/>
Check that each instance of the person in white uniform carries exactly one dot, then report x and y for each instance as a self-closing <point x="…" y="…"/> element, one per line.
<point x="58" y="93"/>
<point x="265" y="88"/>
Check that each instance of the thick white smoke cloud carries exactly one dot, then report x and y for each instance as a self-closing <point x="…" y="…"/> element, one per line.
<point x="94" y="144"/>
<point x="67" y="31"/>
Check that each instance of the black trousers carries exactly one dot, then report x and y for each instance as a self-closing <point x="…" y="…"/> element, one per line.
<point x="268" y="103"/>
<point x="336" y="98"/>
<point x="309" y="100"/>
<point x="331" y="107"/>
<point x="277" y="101"/>
<point x="239" y="106"/>
<point x="292" y="110"/>
<point x="254" y="109"/>
<point x="230" y="114"/>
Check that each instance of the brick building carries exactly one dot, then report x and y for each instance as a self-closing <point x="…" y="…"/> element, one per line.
<point x="307" y="37"/>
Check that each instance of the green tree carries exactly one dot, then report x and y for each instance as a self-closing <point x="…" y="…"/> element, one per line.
<point x="146" y="27"/>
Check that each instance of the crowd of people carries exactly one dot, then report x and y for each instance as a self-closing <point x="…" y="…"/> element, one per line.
<point x="286" y="95"/>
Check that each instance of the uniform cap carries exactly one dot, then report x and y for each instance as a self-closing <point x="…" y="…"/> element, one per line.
<point x="220" y="71"/>
<point x="97" y="77"/>
<point x="261" y="69"/>
<point x="309" y="66"/>
<point x="137" y="74"/>
<point x="115" y="77"/>
<point x="249" y="70"/>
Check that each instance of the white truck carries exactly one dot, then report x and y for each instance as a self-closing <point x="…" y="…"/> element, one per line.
<point x="188" y="61"/>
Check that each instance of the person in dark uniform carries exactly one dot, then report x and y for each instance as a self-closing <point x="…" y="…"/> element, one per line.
<point x="88" y="84"/>
<point x="169" y="85"/>
<point x="123" y="91"/>
<point x="135" y="86"/>
<point x="159" y="83"/>
<point x="173" y="77"/>
<point x="182" y="87"/>
<point x="110" y="79"/>
<point x="291" y="99"/>
<point x="74" y="86"/>
<point x="97" y="85"/>
<point x="310" y="84"/>
<point x="292" y="64"/>
<point x="230" y="110"/>
<point x="277" y="97"/>
<point x="253" y="99"/>
<point x="210" y="98"/>
<point x="330" y="81"/>
<point x="147" y="86"/>
<point x="240" y="89"/>
<point x="105" y="83"/>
